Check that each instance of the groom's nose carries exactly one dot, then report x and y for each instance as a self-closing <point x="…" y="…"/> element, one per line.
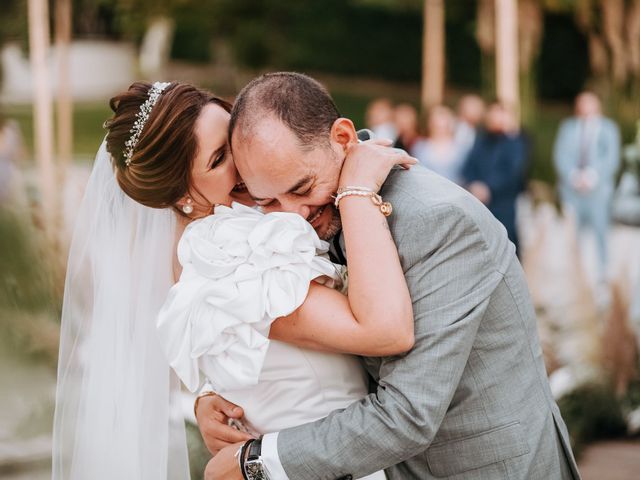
<point x="296" y="207"/>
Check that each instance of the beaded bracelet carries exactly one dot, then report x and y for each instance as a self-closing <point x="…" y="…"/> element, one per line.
<point x="349" y="187"/>
<point x="385" y="207"/>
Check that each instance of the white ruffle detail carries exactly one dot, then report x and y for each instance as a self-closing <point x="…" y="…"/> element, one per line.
<point x="241" y="271"/>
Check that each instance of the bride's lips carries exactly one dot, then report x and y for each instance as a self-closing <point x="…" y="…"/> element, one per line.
<point x="239" y="187"/>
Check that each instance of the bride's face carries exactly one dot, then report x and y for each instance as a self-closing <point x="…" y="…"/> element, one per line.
<point x="214" y="175"/>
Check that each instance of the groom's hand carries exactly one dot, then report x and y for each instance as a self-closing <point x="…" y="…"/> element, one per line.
<point x="213" y="414"/>
<point x="225" y="465"/>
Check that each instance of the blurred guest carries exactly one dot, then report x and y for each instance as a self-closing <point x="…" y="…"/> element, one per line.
<point x="406" y="120"/>
<point x="471" y="110"/>
<point x="494" y="169"/>
<point x="523" y="137"/>
<point x="11" y="149"/>
<point x="634" y="313"/>
<point x="625" y="206"/>
<point x="439" y="151"/>
<point x="380" y="119"/>
<point x="586" y="155"/>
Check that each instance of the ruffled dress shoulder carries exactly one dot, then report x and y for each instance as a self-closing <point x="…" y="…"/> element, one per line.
<point x="242" y="270"/>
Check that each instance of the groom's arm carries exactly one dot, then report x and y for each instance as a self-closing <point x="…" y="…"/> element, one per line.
<point x="450" y="277"/>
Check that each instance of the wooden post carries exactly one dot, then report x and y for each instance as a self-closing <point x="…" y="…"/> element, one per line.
<point x="530" y="27"/>
<point x="486" y="38"/>
<point x="64" y="100"/>
<point x="42" y="108"/>
<point x="507" y="81"/>
<point x="433" y="54"/>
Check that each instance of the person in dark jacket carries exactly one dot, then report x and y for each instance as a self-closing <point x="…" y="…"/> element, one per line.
<point x="495" y="168"/>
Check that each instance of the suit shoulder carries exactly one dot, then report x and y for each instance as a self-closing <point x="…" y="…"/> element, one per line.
<point x="610" y="124"/>
<point x="429" y="209"/>
<point x="566" y="123"/>
<point x="420" y="189"/>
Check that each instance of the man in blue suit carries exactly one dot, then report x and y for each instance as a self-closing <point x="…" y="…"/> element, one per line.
<point x="586" y="155"/>
<point x="495" y="168"/>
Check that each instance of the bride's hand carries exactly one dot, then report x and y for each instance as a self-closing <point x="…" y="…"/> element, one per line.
<point x="212" y="414"/>
<point x="368" y="164"/>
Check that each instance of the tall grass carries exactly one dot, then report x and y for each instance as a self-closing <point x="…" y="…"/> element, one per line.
<point x="29" y="291"/>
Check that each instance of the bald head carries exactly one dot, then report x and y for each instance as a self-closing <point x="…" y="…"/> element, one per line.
<point x="301" y="103"/>
<point x="379" y="112"/>
<point x="289" y="144"/>
<point x="471" y="109"/>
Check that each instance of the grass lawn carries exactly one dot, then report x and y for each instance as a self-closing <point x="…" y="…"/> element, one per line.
<point x="87" y="126"/>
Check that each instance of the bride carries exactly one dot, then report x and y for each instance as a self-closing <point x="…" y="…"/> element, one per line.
<point x="163" y="181"/>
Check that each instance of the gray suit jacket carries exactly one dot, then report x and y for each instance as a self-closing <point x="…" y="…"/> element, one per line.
<point x="471" y="399"/>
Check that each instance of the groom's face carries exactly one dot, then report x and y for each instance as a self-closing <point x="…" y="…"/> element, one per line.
<point x="281" y="175"/>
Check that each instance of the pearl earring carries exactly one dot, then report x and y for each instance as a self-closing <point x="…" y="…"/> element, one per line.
<point x="187" y="207"/>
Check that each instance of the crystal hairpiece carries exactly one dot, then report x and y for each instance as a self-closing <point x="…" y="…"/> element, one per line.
<point x="141" y="119"/>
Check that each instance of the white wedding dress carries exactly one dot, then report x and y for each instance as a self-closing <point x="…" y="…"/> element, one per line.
<point x="241" y="271"/>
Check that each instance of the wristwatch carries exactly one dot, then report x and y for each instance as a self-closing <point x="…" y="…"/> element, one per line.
<point x="254" y="468"/>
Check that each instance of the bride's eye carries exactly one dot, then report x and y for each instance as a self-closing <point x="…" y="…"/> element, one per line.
<point x="219" y="159"/>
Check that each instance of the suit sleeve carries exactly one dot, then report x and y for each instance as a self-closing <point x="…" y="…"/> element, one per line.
<point x="450" y="278"/>
<point x="612" y="153"/>
<point x="562" y="155"/>
<point x="469" y="170"/>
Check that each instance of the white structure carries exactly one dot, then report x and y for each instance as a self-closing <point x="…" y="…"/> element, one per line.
<point x="156" y="47"/>
<point x="98" y="70"/>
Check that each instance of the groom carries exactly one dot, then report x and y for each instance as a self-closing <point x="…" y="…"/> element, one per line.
<point x="471" y="399"/>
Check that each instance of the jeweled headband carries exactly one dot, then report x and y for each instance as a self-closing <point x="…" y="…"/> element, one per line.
<point x="141" y="119"/>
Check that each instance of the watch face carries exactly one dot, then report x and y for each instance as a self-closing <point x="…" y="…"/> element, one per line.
<point x="255" y="470"/>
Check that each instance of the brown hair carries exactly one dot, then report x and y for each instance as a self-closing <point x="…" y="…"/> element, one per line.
<point x="299" y="101"/>
<point x="159" y="174"/>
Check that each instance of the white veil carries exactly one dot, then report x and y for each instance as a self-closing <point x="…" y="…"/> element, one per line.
<point x="116" y="403"/>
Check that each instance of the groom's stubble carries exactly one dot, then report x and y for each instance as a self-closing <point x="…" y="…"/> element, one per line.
<point x="335" y="226"/>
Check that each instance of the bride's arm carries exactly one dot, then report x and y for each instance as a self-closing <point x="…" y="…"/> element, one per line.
<point x="376" y="319"/>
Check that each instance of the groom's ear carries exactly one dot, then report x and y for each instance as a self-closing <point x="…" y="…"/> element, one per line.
<point x="344" y="133"/>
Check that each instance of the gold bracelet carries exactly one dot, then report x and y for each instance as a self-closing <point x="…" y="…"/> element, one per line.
<point x="385" y="207"/>
<point x="198" y="398"/>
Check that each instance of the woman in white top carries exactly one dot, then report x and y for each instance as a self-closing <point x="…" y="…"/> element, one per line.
<point x="439" y="151"/>
<point x="164" y="164"/>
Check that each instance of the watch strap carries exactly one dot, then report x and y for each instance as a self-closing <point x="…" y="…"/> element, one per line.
<point x="243" y="453"/>
<point x="254" y="449"/>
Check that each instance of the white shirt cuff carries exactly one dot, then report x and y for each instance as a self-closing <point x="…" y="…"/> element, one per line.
<point x="270" y="457"/>
<point x="206" y="388"/>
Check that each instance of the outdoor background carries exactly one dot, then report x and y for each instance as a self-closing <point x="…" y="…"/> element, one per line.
<point x="63" y="65"/>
